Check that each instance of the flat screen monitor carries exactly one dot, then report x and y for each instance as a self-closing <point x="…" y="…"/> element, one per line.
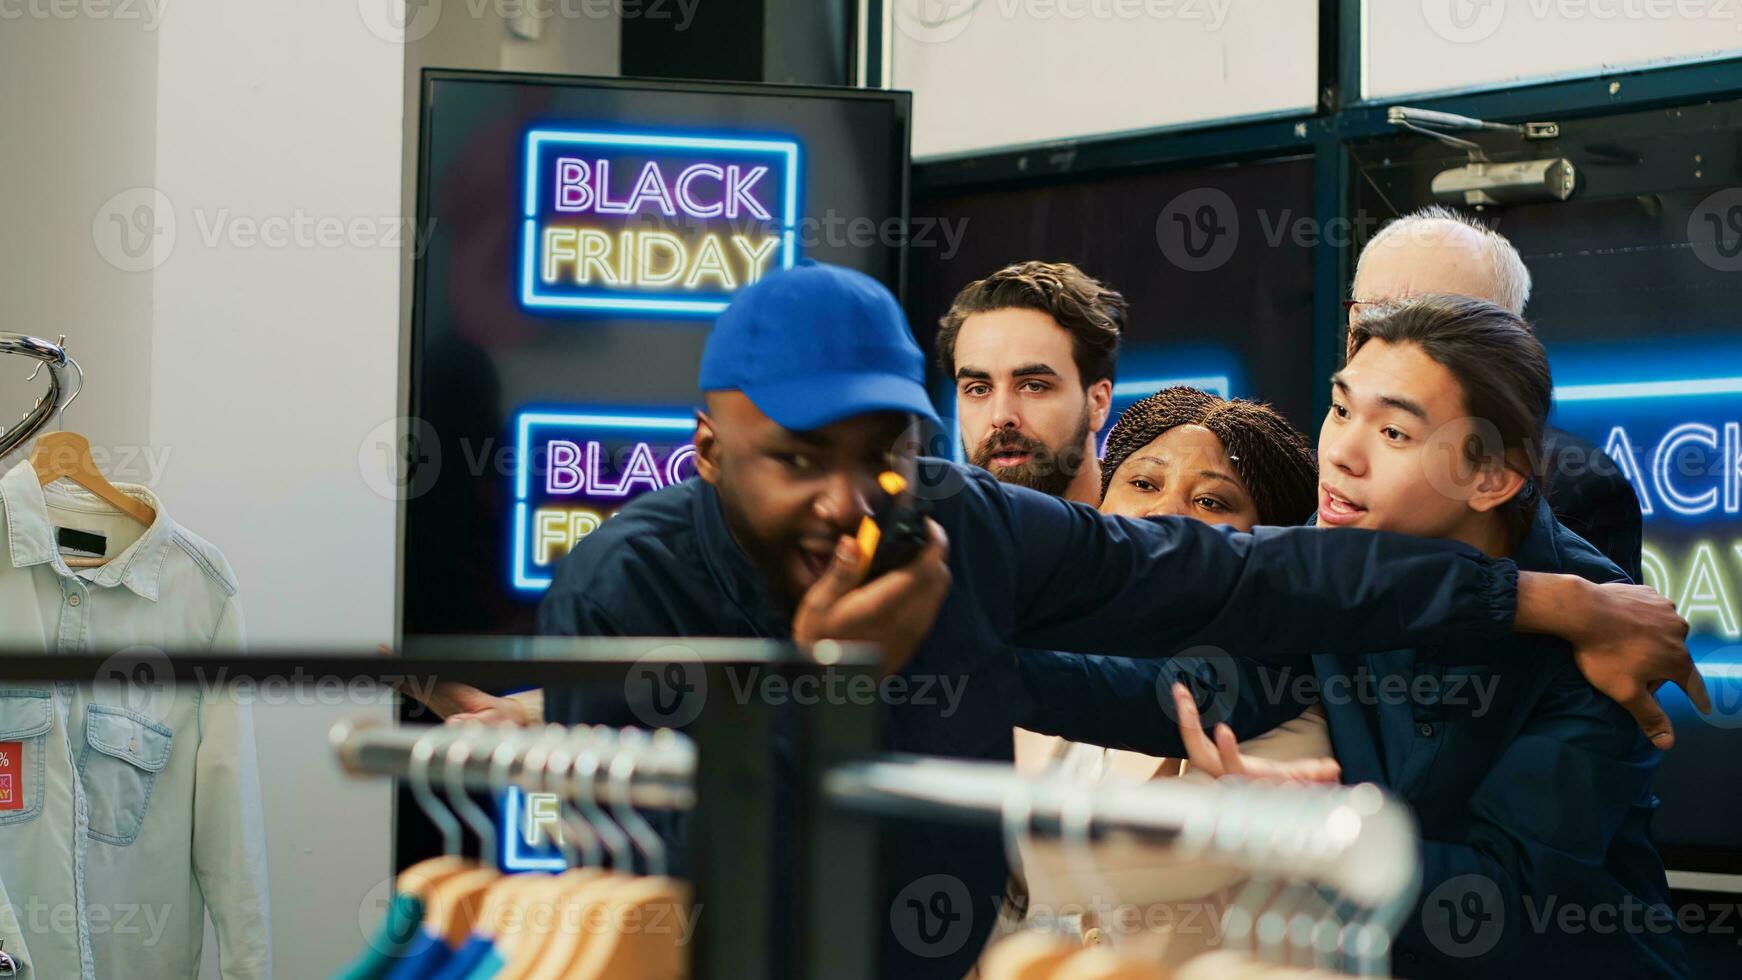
<point x="577" y="238"/>
<point x="1219" y="284"/>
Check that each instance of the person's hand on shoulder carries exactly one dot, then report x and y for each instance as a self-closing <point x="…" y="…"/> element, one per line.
<point x="895" y="611"/>
<point x="1627" y="640"/>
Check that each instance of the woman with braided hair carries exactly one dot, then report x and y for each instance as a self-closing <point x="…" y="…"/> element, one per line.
<point x="1236" y="463"/>
<point x="1184" y="451"/>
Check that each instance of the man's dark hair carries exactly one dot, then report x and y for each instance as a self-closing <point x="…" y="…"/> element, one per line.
<point x="1271" y="457"/>
<point x="1092" y="313"/>
<point x="1499" y="364"/>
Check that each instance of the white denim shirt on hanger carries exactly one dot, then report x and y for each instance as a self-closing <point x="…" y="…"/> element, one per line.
<point x="140" y="799"/>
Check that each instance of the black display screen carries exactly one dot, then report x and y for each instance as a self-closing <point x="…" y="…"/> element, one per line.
<point x="578" y="237"/>
<point x="1220" y="287"/>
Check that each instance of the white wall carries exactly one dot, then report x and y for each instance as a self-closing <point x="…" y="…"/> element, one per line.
<point x="247" y="331"/>
<point x="585" y="44"/>
<point x="1437" y="45"/>
<point x="64" y="265"/>
<point x="286" y="147"/>
<point x="276" y="324"/>
<point x="108" y="112"/>
<point x="993" y="73"/>
<point x="277" y="311"/>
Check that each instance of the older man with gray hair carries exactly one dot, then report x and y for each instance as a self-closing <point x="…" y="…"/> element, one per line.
<point x="1440" y="250"/>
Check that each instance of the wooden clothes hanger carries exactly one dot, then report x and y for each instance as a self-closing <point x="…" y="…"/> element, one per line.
<point x="557" y="957"/>
<point x="547" y="949"/>
<point x="506" y="899"/>
<point x="650" y="906"/>
<point x="650" y="950"/>
<point x="67" y="456"/>
<point x="1227" y="964"/>
<point x="1104" y="964"/>
<point x="539" y="909"/>
<point x="455" y="904"/>
<point x="1026" y="956"/>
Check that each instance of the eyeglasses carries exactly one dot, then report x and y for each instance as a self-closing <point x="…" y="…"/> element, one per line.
<point x="1352" y="311"/>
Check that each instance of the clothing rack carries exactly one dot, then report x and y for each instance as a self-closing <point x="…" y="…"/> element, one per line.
<point x="662" y="763"/>
<point x="1353" y="842"/>
<point x="788" y="883"/>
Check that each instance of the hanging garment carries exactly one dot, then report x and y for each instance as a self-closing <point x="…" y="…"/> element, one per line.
<point x="430" y="957"/>
<point x="489" y="966"/>
<point x="12" y="962"/>
<point x="467" y="958"/>
<point x="135" y="801"/>
<point x="162" y="587"/>
<point x="398" y="937"/>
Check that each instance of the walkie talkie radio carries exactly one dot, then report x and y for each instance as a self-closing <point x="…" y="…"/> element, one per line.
<point x="895" y="531"/>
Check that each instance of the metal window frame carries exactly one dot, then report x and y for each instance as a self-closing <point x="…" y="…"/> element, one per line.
<point x="1342" y="118"/>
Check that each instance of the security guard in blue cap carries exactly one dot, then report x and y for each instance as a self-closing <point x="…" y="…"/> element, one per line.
<point x="813" y="382"/>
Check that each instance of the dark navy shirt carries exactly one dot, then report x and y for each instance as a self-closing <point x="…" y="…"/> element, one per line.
<point x="1535" y="802"/>
<point x="1532" y="790"/>
<point x="1032" y="571"/>
<point x="1592" y="498"/>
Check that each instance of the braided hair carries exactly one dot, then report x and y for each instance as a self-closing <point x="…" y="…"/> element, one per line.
<point x="1270" y="456"/>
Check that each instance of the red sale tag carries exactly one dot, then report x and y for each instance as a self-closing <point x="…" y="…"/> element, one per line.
<point x="11" y="783"/>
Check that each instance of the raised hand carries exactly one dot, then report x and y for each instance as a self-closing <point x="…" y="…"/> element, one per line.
<point x="1223" y="757"/>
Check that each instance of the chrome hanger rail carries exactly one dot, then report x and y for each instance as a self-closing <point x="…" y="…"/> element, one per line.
<point x="1296" y="842"/>
<point x="659" y="767"/>
<point x="55" y="400"/>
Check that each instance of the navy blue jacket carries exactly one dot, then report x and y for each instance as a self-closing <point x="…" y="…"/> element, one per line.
<point x="1532" y="790"/>
<point x="1033" y="571"/>
<point x="1593" y="499"/>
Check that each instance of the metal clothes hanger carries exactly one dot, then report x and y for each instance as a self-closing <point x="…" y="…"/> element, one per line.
<point x="576" y="826"/>
<point x="1273" y="923"/>
<point x="544" y="764"/>
<point x="562" y="954"/>
<point x="584" y="790"/>
<point x="454" y="904"/>
<point x="418" y="879"/>
<point x="1030" y="954"/>
<point x="1274" y="917"/>
<point x="1076" y="829"/>
<point x="657" y="901"/>
<point x="665" y="746"/>
<point x="631" y="745"/>
<point x="55" y="400"/>
<point x="554" y="763"/>
<point x="586" y="769"/>
<point x="547" y="952"/>
<point x="506" y="899"/>
<point x="1352" y="843"/>
<point x="454" y="774"/>
<point x="1234" y="828"/>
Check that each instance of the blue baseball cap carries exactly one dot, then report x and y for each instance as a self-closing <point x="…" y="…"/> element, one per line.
<point x="814" y="344"/>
